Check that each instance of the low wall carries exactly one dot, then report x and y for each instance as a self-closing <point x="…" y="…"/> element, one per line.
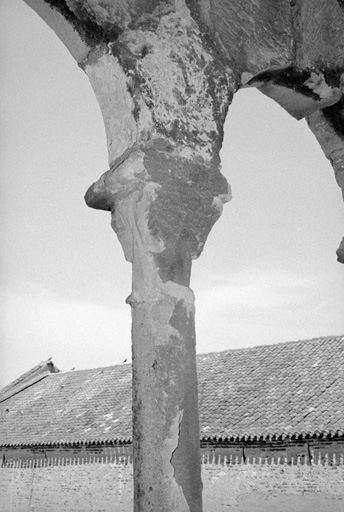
<point x="61" y="486"/>
<point x="316" y="448"/>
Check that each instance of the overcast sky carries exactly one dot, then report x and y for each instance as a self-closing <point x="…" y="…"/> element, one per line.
<point x="268" y="273"/>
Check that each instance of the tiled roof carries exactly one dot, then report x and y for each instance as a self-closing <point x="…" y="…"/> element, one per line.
<point x="285" y="389"/>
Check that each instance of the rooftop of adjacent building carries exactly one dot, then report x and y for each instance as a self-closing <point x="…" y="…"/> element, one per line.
<point x="282" y="390"/>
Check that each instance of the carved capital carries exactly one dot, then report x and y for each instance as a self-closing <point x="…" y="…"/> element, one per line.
<point x="164" y="95"/>
<point x="162" y="205"/>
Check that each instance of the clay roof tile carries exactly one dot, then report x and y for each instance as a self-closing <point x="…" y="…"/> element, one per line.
<point x="284" y="389"/>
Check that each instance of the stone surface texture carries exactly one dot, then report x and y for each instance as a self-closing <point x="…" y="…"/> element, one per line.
<point x="240" y="487"/>
<point x="164" y="73"/>
<point x="328" y="127"/>
<point x="164" y="98"/>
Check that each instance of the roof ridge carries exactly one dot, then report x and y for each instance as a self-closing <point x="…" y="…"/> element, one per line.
<point x="229" y="350"/>
<point x="282" y="343"/>
<point x="198" y="356"/>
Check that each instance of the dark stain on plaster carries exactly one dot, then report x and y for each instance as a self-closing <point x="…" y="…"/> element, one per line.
<point x="185" y="458"/>
<point x="177" y="130"/>
<point x="289" y="77"/>
<point x="128" y="62"/>
<point x="182" y="213"/>
<point x="124" y="56"/>
<point x="146" y="49"/>
<point x="217" y="84"/>
<point x="168" y="394"/>
<point x="89" y="31"/>
<point x="335" y="116"/>
<point x="295" y="79"/>
<point x="332" y="75"/>
<point x="146" y="22"/>
<point x="183" y="67"/>
<point x="138" y="435"/>
<point x="174" y="263"/>
<point x="179" y="97"/>
<point x="231" y="33"/>
<point x="210" y="40"/>
<point x="340" y="252"/>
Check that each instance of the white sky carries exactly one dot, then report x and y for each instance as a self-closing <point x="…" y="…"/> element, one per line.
<point x="268" y="272"/>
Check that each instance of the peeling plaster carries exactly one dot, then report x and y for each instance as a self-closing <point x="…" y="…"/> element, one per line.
<point x="318" y="34"/>
<point x="317" y="83"/>
<point x="161" y="350"/>
<point x="104" y="12"/>
<point x="299" y="91"/>
<point x="109" y="83"/>
<point x="174" y="84"/>
<point x="331" y="141"/>
<point x="160" y="78"/>
<point x="64" y="29"/>
<point x="179" y="502"/>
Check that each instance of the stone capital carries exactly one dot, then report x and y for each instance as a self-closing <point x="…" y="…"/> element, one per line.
<point x="162" y="205"/>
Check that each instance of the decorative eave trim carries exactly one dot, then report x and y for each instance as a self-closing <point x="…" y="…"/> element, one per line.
<point x="86" y="442"/>
<point x="294" y="436"/>
<point x="332" y="435"/>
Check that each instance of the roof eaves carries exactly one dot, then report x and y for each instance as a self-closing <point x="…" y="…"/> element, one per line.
<point x="61" y="442"/>
<point x="269" y="436"/>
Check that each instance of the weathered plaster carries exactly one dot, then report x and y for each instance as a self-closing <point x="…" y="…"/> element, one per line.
<point x="161" y="80"/>
<point x="164" y="74"/>
<point x="330" y="136"/>
<point x="318" y="34"/>
<point x="331" y="142"/>
<point x="110" y="86"/>
<point x="138" y="191"/>
<point x="62" y="28"/>
<point x="167" y="420"/>
<point x="178" y="80"/>
<point x="299" y="92"/>
<point x="310" y="78"/>
<point x="252" y="35"/>
<point x="146" y="183"/>
<point x="170" y="445"/>
<point x="104" y="12"/>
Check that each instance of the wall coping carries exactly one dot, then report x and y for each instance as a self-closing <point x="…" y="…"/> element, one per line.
<point x="209" y="459"/>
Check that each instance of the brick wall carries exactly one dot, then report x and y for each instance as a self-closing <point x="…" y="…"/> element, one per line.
<point x="273" y="488"/>
<point x="235" y="487"/>
<point x="94" y="487"/>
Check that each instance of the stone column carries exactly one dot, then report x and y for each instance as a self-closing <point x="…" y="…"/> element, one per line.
<point x="328" y="127"/>
<point x="164" y="99"/>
